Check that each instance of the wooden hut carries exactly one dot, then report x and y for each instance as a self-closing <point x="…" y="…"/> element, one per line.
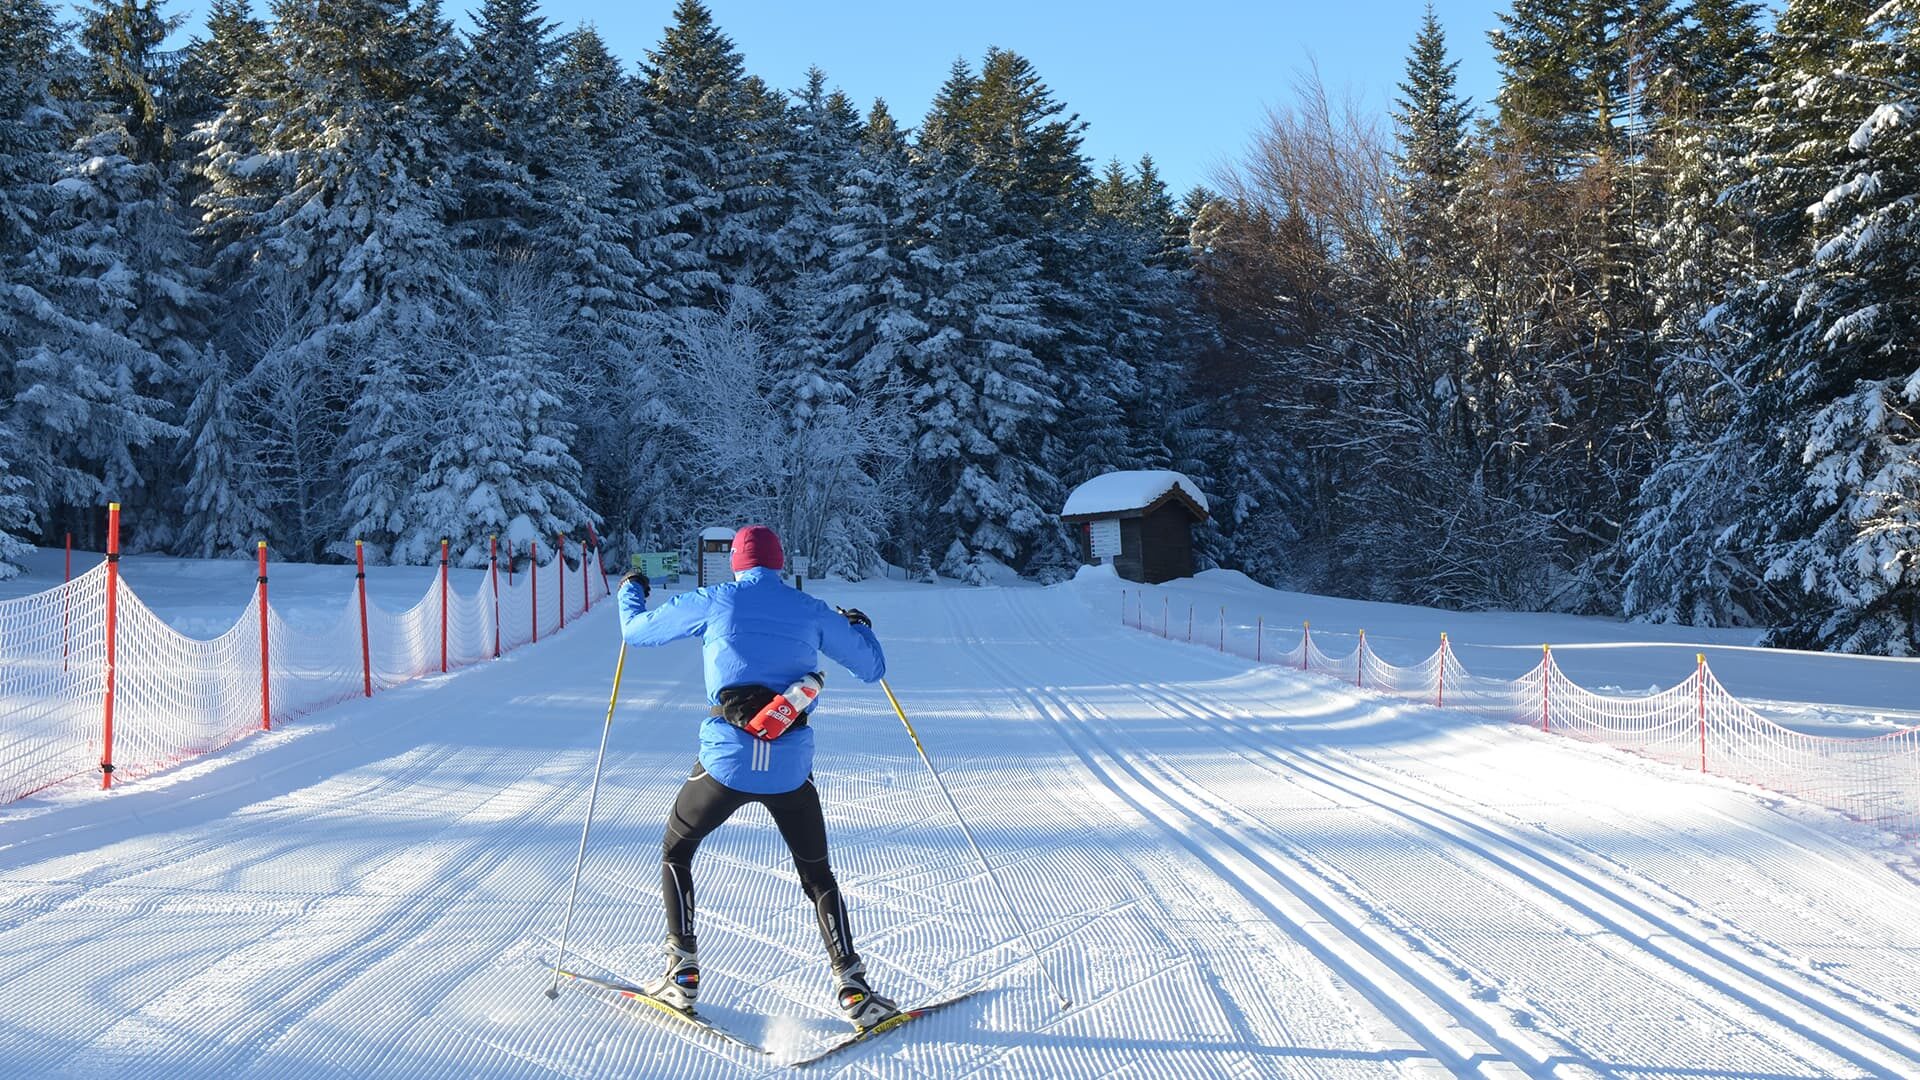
<point x="1141" y="522"/>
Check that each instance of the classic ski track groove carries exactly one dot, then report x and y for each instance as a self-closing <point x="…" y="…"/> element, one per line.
<point x="1866" y="1039"/>
<point x="1866" y="1036"/>
<point x="1634" y="894"/>
<point x="1380" y="970"/>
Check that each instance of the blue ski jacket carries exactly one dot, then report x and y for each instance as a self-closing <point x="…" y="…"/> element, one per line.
<point x="755" y="629"/>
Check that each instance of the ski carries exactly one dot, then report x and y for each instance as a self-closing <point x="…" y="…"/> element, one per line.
<point x="638" y="996"/>
<point x="896" y="1020"/>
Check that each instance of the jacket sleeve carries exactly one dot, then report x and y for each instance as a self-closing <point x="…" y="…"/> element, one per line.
<point x="683" y="616"/>
<point x="852" y="647"/>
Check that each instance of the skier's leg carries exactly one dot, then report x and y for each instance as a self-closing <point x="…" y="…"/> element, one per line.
<point x="804" y="827"/>
<point x="701" y="806"/>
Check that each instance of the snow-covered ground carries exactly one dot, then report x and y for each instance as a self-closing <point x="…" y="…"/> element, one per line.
<point x="1234" y="870"/>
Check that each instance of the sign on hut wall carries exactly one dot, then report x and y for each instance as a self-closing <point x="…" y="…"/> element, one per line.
<point x="1103" y="536"/>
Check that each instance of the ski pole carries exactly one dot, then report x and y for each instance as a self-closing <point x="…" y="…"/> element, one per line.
<point x="593" y="796"/>
<point x="1006" y="900"/>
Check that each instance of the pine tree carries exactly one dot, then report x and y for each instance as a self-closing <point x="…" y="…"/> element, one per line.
<point x="1850" y="536"/>
<point x="503" y="461"/>
<point x="507" y="129"/>
<point x="386" y="452"/>
<point x="222" y="515"/>
<point x="715" y="125"/>
<point x="344" y="198"/>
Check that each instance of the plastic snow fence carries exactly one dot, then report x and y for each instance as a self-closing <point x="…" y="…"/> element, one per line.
<point x="1697" y="724"/>
<point x="175" y="696"/>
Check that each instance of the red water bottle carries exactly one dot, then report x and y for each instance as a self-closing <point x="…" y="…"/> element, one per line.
<point x="786" y="708"/>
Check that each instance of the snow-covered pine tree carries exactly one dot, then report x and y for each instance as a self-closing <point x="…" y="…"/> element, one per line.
<point x="606" y="175"/>
<point x="506" y="131"/>
<point x="221" y="510"/>
<point x="959" y="335"/>
<point x="83" y="389"/>
<point x="30" y="126"/>
<point x="343" y="200"/>
<point x="501" y="450"/>
<point x="718" y="129"/>
<point x="1850" y="536"/>
<point x="16" y="519"/>
<point x="1686" y="559"/>
<point x="385" y="451"/>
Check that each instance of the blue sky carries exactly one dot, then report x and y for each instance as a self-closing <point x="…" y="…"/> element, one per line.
<point x="1185" y="80"/>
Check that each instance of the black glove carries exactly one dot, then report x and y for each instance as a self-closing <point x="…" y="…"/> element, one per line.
<point x="856" y="617"/>
<point x="637" y="577"/>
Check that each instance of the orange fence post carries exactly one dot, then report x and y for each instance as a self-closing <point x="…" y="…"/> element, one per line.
<point x="533" y="578"/>
<point x="560" y="572"/>
<point x="1546" y="684"/>
<point x="586" y="593"/>
<point x="266" y="677"/>
<point x="1360" y="661"/>
<point x="1166" y="610"/>
<point x="1259" y="636"/>
<point x="443" y="605"/>
<point x="493" y="575"/>
<point x="1440" y="687"/>
<point x="1700" y="676"/>
<point x="1189" y="624"/>
<point x="113" y="628"/>
<point x="360" y="582"/>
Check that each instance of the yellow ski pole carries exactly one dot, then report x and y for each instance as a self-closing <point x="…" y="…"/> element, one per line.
<point x="1006" y="900"/>
<point x="593" y="796"/>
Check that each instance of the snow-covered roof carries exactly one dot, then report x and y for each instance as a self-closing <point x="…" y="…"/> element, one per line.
<point x="716" y="534"/>
<point x="1118" y="492"/>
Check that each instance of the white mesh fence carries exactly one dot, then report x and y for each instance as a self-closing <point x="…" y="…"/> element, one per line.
<point x="1696" y="724"/>
<point x="176" y="696"/>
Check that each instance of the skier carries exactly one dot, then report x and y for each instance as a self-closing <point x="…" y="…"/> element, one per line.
<point x="758" y="635"/>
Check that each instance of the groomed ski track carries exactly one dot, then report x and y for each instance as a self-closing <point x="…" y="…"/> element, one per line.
<point x="1234" y="870"/>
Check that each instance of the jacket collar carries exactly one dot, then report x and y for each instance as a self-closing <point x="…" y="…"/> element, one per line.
<point x="756" y="573"/>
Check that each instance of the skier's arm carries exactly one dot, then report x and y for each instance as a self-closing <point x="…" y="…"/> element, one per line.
<point x="853" y="647"/>
<point x="683" y="616"/>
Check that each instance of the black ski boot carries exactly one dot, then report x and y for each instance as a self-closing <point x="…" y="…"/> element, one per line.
<point x="858" y="1003"/>
<point x="679" y="986"/>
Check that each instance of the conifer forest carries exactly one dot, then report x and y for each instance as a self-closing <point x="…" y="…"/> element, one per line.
<point x="1639" y="336"/>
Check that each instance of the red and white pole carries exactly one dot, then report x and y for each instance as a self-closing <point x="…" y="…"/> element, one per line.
<point x="1440" y="686"/>
<point x="1166" y="613"/>
<point x="266" y="662"/>
<point x="560" y="572"/>
<point x="586" y="592"/>
<point x="493" y="575"/>
<point x="1223" y="629"/>
<point x="1700" y="677"/>
<point x="443" y="605"/>
<point x="533" y="576"/>
<point x="366" y="648"/>
<point x="1306" y="641"/>
<point x="1360" y="661"/>
<point x="113" y="633"/>
<point x="1259" y="636"/>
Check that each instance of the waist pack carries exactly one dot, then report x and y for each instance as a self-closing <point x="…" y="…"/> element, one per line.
<point x="762" y="711"/>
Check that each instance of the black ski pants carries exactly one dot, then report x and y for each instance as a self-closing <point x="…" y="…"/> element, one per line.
<point x="703" y="805"/>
